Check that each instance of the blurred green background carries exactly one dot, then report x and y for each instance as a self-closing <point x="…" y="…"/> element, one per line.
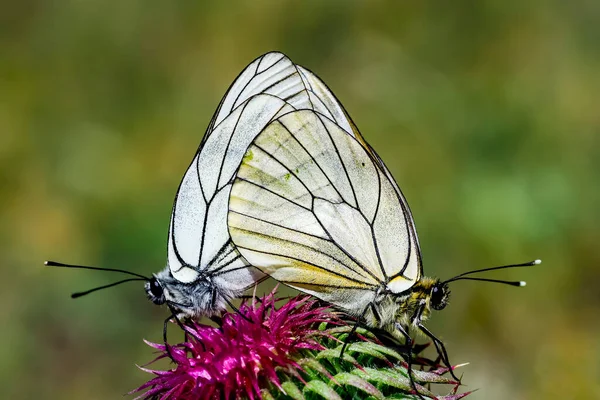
<point x="486" y="112"/>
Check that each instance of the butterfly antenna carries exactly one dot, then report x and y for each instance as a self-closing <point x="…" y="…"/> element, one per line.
<point x="79" y="294"/>
<point x="62" y="265"/>
<point x="464" y="275"/>
<point x="510" y="283"/>
<point x="138" y="277"/>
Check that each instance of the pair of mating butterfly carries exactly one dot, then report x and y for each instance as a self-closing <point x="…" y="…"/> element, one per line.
<point x="283" y="184"/>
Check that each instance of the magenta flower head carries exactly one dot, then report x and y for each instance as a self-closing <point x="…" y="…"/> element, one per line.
<point x="268" y="351"/>
<point x="233" y="360"/>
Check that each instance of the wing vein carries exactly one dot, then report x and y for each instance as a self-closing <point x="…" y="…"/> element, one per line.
<point x="303" y="261"/>
<point x="360" y="272"/>
<point x="278" y="161"/>
<point x="272" y="192"/>
<point x="229" y="263"/>
<point x="337" y="151"/>
<point x="270" y="66"/>
<point x="312" y="158"/>
<point x="373" y="230"/>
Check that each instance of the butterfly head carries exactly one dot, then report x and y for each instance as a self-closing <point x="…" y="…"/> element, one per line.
<point x="425" y="295"/>
<point x="202" y="297"/>
<point x="439" y="295"/>
<point x="163" y="288"/>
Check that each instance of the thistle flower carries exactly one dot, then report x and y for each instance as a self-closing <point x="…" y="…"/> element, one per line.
<point x="290" y="351"/>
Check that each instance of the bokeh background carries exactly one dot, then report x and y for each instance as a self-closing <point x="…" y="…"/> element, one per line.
<point x="486" y="112"/>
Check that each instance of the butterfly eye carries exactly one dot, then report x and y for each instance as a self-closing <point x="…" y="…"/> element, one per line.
<point x="155" y="288"/>
<point x="155" y="291"/>
<point x="439" y="296"/>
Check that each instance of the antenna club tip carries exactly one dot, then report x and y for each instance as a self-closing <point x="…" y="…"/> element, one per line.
<point x="537" y="262"/>
<point x="50" y="263"/>
<point x="522" y="283"/>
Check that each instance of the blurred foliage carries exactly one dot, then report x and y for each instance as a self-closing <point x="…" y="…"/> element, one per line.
<point x="485" y="111"/>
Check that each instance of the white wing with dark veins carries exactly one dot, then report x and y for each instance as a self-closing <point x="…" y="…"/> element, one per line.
<point x="313" y="207"/>
<point x="199" y="242"/>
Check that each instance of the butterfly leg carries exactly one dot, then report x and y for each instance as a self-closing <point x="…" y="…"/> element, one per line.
<point x="409" y="342"/>
<point x="250" y="297"/>
<point x="348" y="338"/>
<point x="237" y="310"/>
<point x="441" y="349"/>
<point x="214" y="297"/>
<point x="174" y="314"/>
<point x="167" y="347"/>
<point x="355" y="327"/>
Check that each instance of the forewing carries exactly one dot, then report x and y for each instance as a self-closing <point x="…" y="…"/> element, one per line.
<point x="325" y="102"/>
<point x="275" y="74"/>
<point x="413" y="268"/>
<point x="199" y="240"/>
<point x="311" y="207"/>
<point x="270" y="86"/>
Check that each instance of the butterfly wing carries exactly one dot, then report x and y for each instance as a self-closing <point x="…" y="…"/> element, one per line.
<point x="199" y="242"/>
<point x="334" y="110"/>
<point x="275" y="74"/>
<point x="198" y="238"/>
<point x="312" y="207"/>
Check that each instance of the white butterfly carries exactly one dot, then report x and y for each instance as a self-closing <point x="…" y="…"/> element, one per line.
<point x="284" y="171"/>
<point x="204" y="270"/>
<point x="313" y="206"/>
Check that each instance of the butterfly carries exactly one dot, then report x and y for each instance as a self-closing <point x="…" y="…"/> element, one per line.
<point x="204" y="270"/>
<point x="314" y="206"/>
